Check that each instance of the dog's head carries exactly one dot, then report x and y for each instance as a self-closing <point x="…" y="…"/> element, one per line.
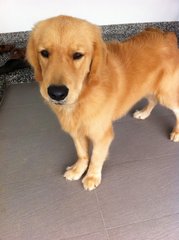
<point x="65" y="53"/>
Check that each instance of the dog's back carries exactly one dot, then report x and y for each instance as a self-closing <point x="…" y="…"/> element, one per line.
<point x="147" y="43"/>
<point x="150" y="65"/>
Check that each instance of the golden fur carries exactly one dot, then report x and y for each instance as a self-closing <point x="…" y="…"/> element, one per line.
<point x="103" y="84"/>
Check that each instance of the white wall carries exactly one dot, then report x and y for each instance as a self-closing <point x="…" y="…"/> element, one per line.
<point x="20" y="15"/>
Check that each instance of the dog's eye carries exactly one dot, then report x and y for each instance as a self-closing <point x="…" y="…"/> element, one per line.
<point x="44" y="53"/>
<point x="77" y="55"/>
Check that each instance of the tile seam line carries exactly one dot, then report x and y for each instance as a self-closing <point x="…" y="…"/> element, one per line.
<point x="145" y="221"/>
<point x="144" y="159"/>
<point x="101" y="214"/>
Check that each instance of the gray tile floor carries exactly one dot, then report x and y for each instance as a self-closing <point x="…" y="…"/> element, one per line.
<point x="139" y="195"/>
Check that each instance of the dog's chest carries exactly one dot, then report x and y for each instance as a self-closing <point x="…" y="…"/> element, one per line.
<point x="81" y="120"/>
<point x="71" y="120"/>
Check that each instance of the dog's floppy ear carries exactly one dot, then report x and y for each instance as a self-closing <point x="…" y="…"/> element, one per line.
<point x="32" y="57"/>
<point x="99" y="53"/>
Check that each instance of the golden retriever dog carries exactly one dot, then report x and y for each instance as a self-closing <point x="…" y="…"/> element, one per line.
<point x="90" y="83"/>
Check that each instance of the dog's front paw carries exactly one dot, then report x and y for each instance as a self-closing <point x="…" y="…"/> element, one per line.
<point x="75" y="171"/>
<point x="174" y="136"/>
<point x="90" y="182"/>
<point x="141" y="114"/>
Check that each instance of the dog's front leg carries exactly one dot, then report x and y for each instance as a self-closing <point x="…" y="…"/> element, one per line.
<point x="75" y="171"/>
<point x="99" y="154"/>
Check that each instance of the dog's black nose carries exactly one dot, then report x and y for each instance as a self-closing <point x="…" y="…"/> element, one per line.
<point x="58" y="92"/>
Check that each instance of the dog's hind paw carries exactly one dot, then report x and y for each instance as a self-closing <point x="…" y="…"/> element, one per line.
<point x="91" y="182"/>
<point x="174" y="136"/>
<point x="141" y="114"/>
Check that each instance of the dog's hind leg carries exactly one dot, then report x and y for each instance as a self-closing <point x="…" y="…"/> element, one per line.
<point x="145" y="112"/>
<point x="174" y="136"/>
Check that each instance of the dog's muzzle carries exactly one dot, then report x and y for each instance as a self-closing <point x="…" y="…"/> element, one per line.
<point x="58" y="93"/>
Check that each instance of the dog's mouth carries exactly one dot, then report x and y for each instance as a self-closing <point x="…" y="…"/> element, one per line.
<point x="61" y="102"/>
